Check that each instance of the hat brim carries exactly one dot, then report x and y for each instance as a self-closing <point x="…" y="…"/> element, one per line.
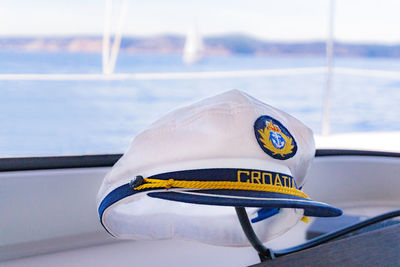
<point x="242" y="198"/>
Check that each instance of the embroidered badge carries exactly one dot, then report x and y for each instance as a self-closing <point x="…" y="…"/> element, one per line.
<point x="274" y="138"/>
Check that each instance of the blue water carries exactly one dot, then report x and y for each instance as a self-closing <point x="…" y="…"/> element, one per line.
<point x="89" y="117"/>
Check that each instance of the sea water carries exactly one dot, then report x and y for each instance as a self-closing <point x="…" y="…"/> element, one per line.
<point x="40" y="118"/>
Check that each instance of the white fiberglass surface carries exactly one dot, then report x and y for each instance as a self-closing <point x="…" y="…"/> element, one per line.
<point x="53" y="204"/>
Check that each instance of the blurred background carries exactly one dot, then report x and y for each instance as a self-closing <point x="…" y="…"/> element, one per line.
<point x="83" y="77"/>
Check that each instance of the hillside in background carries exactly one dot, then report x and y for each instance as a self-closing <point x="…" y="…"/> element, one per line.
<point x="222" y="45"/>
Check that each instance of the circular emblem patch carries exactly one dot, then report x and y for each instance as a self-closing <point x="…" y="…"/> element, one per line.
<point x="274" y="138"/>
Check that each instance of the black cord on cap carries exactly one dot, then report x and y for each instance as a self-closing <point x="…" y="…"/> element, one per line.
<point x="263" y="252"/>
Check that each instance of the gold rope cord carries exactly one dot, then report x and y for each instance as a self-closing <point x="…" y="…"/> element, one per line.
<point x="157" y="183"/>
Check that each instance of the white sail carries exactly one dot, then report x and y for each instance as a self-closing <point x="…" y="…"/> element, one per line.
<point x="194" y="48"/>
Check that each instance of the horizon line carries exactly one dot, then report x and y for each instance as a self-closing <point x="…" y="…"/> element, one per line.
<point x="231" y="34"/>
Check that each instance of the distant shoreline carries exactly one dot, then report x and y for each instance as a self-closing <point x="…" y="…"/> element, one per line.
<point x="216" y="45"/>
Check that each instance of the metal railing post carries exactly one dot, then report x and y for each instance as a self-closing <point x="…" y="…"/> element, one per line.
<point x="329" y="72"/>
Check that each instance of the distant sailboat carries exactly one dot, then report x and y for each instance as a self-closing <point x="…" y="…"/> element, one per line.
<point x="194" y="48"/>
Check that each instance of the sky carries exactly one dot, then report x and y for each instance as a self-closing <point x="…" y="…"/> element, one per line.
<point x="359" y="21"/>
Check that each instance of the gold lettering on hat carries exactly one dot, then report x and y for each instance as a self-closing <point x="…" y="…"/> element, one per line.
<point x="261" y="177"/>
<point x="269" y="175"/>
<point x="240" y="172"/>
<point x="284" y="180"/>
<point x="255" y="176"/>
<point x="293" y="184"/>
<point x="277" y="180"/>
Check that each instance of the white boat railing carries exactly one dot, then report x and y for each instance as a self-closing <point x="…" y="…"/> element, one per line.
<point x="163" y="75"/>
<point x="199" y="75"/>
<point x="326" y="107"/>
<point x="368" y="72"/>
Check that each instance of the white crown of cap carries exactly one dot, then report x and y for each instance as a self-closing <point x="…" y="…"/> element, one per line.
<point x="214" y="131"/>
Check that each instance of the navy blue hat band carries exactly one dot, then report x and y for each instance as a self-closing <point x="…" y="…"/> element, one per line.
<point x="223" y="197"/>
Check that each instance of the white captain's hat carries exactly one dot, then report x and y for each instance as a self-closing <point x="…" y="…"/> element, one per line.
<point x="227" y="150"/>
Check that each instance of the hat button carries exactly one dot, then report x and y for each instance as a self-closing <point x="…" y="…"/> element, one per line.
<point x="136" y="182"/>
